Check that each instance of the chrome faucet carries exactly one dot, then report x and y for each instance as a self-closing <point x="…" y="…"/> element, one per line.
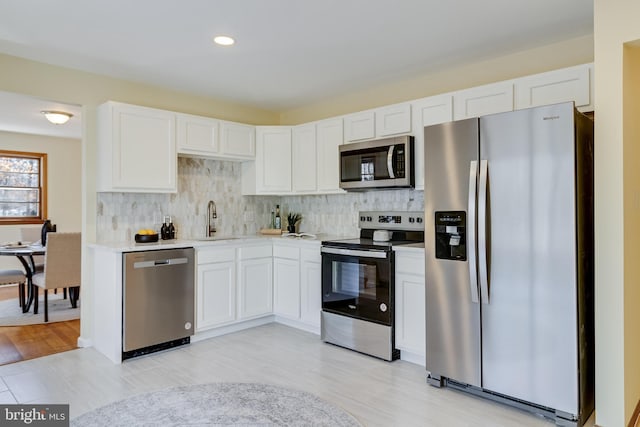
<point x="211" y="216"/>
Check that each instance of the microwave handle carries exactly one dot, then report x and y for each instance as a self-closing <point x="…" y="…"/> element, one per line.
<point x="390" y="162"/>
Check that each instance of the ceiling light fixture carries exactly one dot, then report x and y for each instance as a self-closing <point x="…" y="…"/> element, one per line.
<point x="224" y="40"/>
<point x="57" y="117"/>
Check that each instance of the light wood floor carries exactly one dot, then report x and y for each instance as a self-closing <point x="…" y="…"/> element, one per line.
<point x="376" y="392"/>
<point x="19" y="343"/>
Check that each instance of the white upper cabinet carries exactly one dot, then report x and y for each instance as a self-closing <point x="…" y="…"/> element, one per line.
<point x="329" y="136"/>
<point x="568" y="84"/>
<point x="483" y="100"/>
<point x="426" y="112"/>
<point x="273" y="159"/>
<point x="304" y="159"/>
<point x="359" y="126"/>
<point x="136" y="148"/>
<point x="378" y="123"/>
<point x="213" y="138"/>
<point x="238" y="140"/>
<point x="393" y="120"/>
<point x="301" y="159"/>
<point x="197" y="135"/>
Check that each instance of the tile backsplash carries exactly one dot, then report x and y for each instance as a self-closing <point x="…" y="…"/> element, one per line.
<point x="120" y="215"/>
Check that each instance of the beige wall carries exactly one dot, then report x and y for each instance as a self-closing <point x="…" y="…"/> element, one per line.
<point x="63" y="183"/>
<point x="617" y="156"/>
<point x="560" y="55"/>
<point x="631" y="138"/>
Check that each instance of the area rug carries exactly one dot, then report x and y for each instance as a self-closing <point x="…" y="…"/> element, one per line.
<point x="220" y="404"/>
<point x="60" y="310"/>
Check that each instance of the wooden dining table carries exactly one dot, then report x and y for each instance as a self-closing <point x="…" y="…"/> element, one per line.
<point x="25" y="254"/>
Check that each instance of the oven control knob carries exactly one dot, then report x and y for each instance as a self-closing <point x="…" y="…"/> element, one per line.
<point x="383" y="307"/>
<point x="419" y="220"/>
<point x="369" y="218"/>
<point x="412" y="219"/>
<point x="363" y="218"/>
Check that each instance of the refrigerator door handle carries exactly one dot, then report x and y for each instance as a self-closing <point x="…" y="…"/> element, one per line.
<point x="471" y="231"/>
<point x="483" y="265"/>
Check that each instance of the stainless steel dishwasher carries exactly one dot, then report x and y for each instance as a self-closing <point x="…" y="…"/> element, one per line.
<point x="157" y="300"/>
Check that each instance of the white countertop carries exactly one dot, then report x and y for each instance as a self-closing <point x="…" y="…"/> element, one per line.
<point x="216" y="241"/>
<point x="411" y="247"/>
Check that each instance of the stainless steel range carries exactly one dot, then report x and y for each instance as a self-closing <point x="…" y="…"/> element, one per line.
<point x="358" y="283"/>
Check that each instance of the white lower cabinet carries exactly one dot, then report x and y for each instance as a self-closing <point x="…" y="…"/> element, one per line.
<point x="286" y="280"/>
<point x="310" y="287"/>
<point x="255" y="282"/>
<point x="255" y="288"/>
<point x="233" y="284"/>
<point x="410" y="305"/>
<point x="286" y="291"/>
<point x="216" y="295"/>
<point x="216" y="288"/>
<point x="297" y="292"/>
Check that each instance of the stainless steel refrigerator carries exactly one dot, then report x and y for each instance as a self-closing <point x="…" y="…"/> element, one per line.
<point x="509" y="259"/>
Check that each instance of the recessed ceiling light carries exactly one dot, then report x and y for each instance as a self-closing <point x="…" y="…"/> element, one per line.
<point x="224" y="40"/>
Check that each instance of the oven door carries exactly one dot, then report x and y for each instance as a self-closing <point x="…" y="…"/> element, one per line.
<point x="358" y="283"/>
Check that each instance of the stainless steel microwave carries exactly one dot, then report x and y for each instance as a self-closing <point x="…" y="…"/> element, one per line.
<point x="377" y="164"/>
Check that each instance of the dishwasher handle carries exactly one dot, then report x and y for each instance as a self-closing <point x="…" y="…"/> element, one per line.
<point x="160" y="262"/>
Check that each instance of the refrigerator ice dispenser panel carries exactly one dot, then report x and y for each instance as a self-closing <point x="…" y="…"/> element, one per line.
<point x="451" y="241"/>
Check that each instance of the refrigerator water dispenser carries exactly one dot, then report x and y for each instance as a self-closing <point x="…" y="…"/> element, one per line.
<point x="451" y="242"/>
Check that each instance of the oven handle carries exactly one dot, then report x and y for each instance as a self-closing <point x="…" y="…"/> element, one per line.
<point x="354" y="252"/>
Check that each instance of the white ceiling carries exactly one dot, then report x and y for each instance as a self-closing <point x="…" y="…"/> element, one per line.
<point x="22" y="114"/>
<point x="289" y="53"/>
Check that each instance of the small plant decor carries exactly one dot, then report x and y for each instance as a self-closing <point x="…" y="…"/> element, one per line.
<point x="292" y="219"/>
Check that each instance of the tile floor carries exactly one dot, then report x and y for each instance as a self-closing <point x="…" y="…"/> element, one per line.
<point x="376" y="392"/>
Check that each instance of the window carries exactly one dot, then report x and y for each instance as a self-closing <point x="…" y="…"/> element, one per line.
<point x="23" y="187"/>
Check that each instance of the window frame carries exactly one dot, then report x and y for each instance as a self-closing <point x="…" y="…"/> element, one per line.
<point x="42" y="157"/>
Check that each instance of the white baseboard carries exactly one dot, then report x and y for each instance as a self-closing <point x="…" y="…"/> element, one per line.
<point x="84" y="342"/>
<point x="417" y="358"/>
<point x="235" y="327"/>
<point x="298" y="324"/>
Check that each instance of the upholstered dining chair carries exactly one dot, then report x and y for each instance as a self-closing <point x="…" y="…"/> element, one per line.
<point x="32" y="235"/>
<point x="8" y="277"/>
<point x="61" y="268"/>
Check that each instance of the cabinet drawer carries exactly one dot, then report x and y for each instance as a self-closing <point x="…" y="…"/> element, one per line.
<point x="255" y="252"/>
<point x="312" y="255"/>
<point x="286" y="252"/>
<point x="205" y="256"/>
<point x="410" y="264"/>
